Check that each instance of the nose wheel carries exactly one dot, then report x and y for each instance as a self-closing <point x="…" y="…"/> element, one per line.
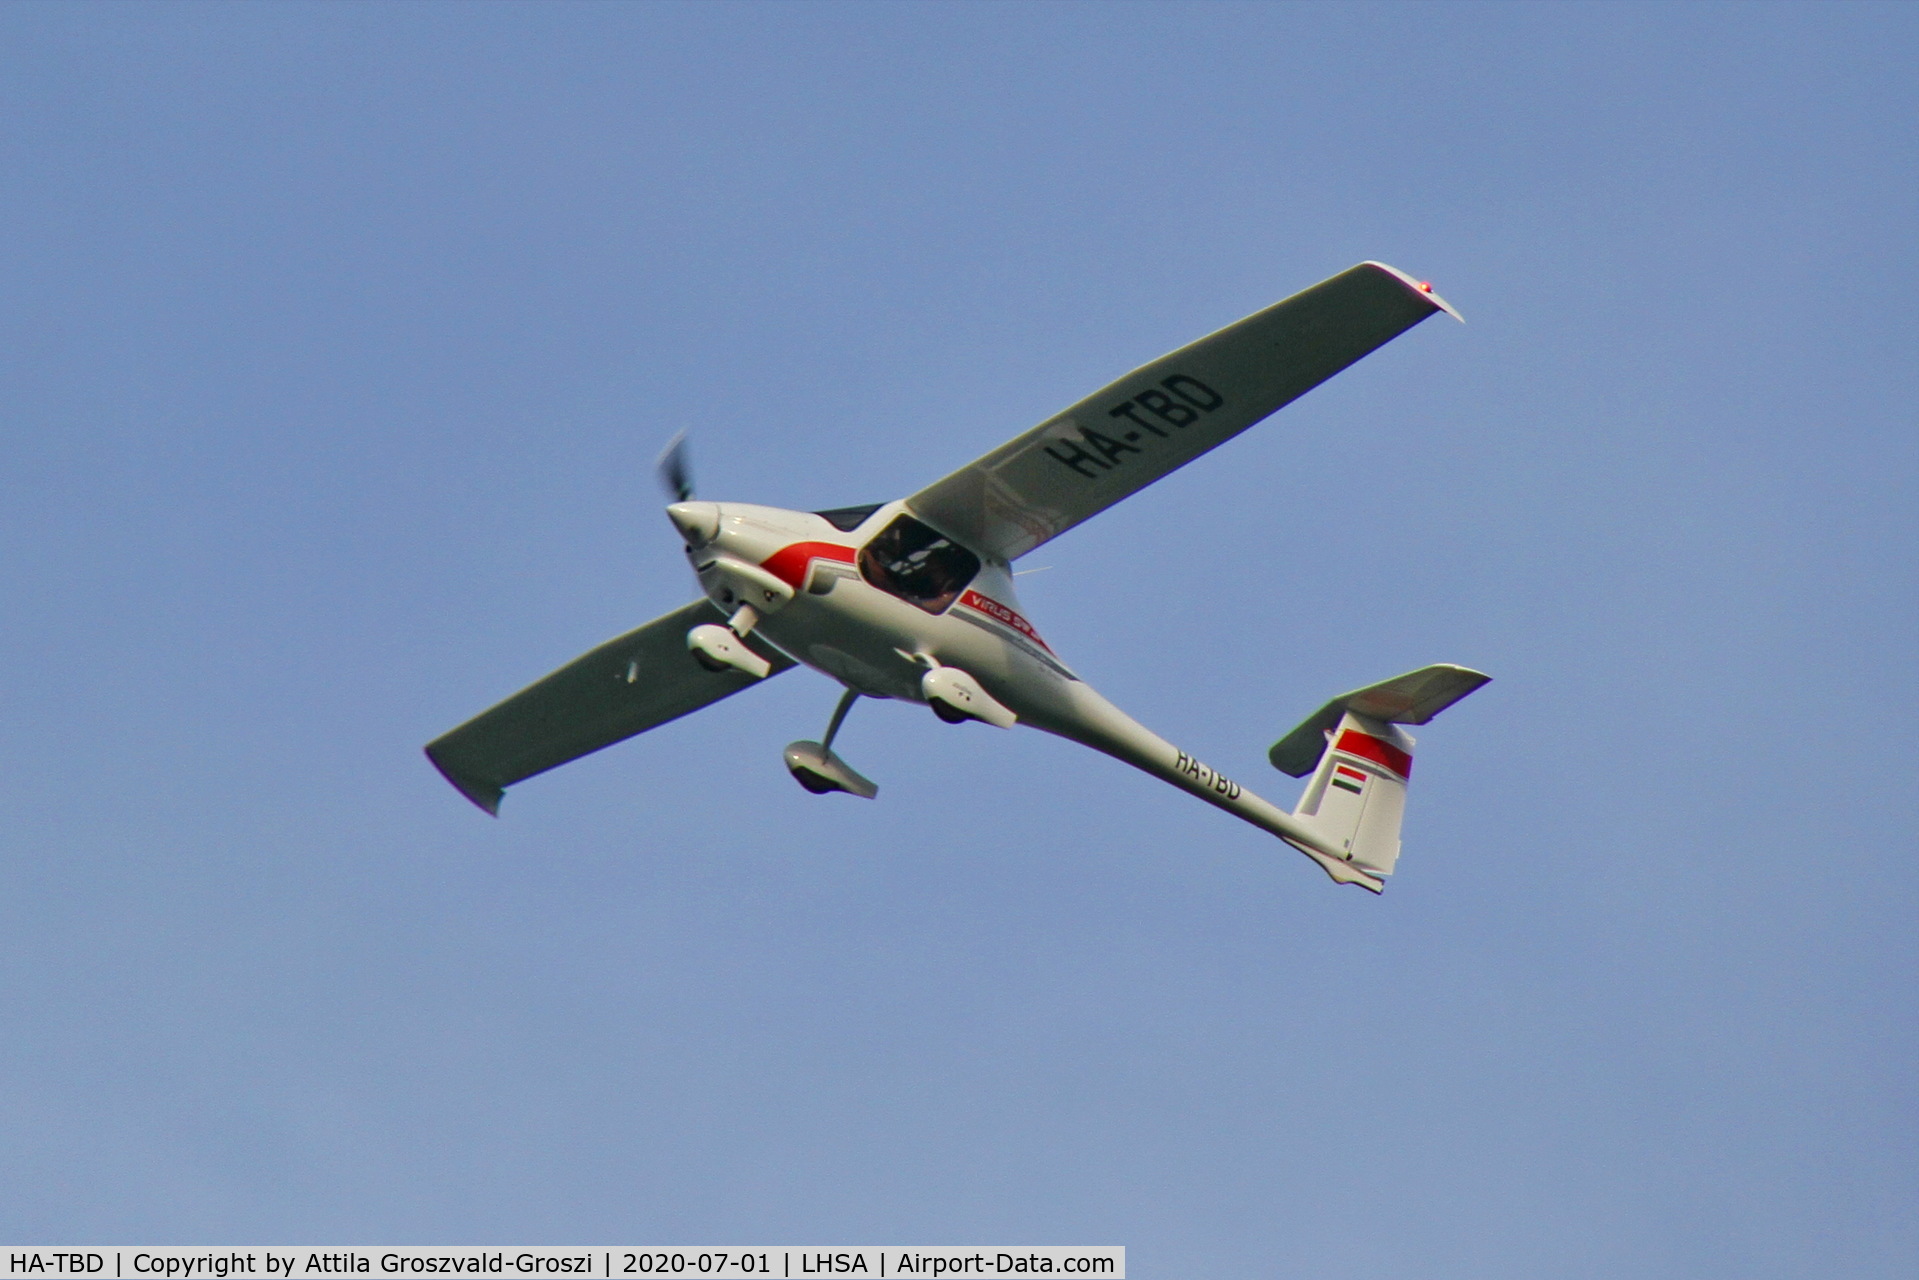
<point x="724" y="648"/>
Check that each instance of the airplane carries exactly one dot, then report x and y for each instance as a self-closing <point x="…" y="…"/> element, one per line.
<point x="913" y="599"/>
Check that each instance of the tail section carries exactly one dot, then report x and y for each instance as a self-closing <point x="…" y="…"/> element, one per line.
<point x="1360" y="760"/>
<point x="1358" y="794"/>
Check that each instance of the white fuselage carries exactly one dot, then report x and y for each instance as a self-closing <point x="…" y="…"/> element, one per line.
<point x="879" y="644"/>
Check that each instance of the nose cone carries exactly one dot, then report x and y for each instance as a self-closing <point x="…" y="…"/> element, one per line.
<point x="698" y="522"/>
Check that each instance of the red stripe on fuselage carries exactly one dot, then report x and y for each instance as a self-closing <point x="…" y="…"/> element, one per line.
<point x="789" y="564"/>
<point x="1379" y="751"/>
<point x="1002" y="615"/>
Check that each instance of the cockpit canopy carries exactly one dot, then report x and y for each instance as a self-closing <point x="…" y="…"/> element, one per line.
<point x="917" y="563"/>
<point x="847" y="519"/>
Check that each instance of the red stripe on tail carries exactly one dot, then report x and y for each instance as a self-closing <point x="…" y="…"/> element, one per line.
<point x="1379" y="751"/>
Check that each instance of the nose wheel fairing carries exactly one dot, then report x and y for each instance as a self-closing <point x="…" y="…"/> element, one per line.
<point x="720" y="648"/>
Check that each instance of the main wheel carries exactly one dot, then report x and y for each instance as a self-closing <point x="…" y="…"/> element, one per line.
<point x="949" y="713"/>
<point x="813" y="782"/>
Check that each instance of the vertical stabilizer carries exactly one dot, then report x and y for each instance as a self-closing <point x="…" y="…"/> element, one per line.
<point x="1357" y="796"/>
<point x="1359" y="758"/>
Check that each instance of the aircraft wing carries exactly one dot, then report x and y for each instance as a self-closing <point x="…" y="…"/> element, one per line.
<point x="628" y="685"/>
<point x="1163" y="415"/>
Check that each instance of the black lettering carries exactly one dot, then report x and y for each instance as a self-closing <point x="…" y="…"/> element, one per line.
<point x="1127" y="412"/>
<point x="1193" y="392"/>
<point x="1076" y="458"/>
<point x="1107" y="445"/>
<point x="1163" y="405"/>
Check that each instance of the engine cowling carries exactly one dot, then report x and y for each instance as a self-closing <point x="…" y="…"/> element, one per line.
<point x="733" y="583"/>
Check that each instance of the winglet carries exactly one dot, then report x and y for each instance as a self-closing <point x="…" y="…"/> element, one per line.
<point x="1424" y="288"/>
<point x="481" y="792"/>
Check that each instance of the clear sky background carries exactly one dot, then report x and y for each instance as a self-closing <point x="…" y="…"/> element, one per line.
<point x="338" y="342"/>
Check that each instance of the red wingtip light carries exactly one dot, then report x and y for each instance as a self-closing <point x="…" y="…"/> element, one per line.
<point x="1425" y="286"/>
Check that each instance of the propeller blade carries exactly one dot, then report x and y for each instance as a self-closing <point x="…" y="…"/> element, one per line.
<point x="676" y="472"/>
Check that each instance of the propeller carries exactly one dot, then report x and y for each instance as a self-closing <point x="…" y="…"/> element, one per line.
<point x="676" y="472"/>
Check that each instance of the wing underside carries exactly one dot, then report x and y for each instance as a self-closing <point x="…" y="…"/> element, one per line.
<point x="628" y="685"/>
<point x="1163" y="415"/>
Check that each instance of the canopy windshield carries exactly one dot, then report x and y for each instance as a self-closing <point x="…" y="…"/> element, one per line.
<point x="917" y="563"/>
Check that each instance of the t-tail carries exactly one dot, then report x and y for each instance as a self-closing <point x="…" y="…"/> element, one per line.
<point x="1360" y="761"/>
<point x="1359" y="758"/>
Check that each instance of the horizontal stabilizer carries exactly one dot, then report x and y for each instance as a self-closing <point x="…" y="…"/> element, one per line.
<point x="1413" y="698"/>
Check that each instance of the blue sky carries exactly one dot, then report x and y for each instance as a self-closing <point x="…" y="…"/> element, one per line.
<point x="338" y="341"/>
